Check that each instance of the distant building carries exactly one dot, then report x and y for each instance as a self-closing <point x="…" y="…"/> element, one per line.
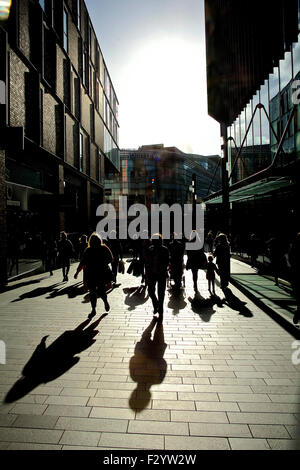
<point x="158" y="174"/>
<point x="58" y="120"/>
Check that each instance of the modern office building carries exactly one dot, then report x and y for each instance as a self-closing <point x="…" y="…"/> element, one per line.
<point x="154" y="174"/>
<point x="253" y="64"/>
<point x="58" y="120"/>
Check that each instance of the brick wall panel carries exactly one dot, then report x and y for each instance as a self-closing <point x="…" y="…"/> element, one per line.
<point x="71" y="141"/>
<point x="93" y="162"/>
<point x="85" y="111"/>
<point x="24" y="36"/>
<point x="52" y="126"/>
<point x="3" y="239"/>
<point x="73" y="44"/>
<point x="60" y="72"/>
<point x="17" y="91"/>
<point x="99" y="131"/>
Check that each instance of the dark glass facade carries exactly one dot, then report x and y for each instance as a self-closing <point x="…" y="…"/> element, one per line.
<point x="253" y="65"/>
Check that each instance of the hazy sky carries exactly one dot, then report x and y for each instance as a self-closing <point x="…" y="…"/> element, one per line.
<point x="155" y="54"/>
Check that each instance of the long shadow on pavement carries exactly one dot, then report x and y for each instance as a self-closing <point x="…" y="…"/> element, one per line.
<point x="204" y="307"/>
<point x="148" y="366"/>
<point x="135" y="296"/>
<point x="48" y="363"/>
<point x="20" y="284"/>
<point x="236" y="304"/>
<point x="71" y="291"/>
<point x="176" y="301"/>
<point x="39" y="291"/>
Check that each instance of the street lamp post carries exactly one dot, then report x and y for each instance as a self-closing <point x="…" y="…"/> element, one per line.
<point x="225" y="180"/>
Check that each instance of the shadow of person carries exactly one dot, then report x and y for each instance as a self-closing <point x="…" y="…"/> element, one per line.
<point x="39" y="291"/>
<point x="71" y="291"/>
<point x="176" y="301"/>
<point x="136" y="297"/>
<point x="203" y="307"/>
<point x="236" y="304"/>
<point x="148" y="366"/>
<point x="8" y="288"/>
<point x="48" y="363"/>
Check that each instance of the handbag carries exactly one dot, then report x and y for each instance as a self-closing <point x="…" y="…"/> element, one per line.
<point x="188" y="264"/>
<point x="137" y="269"/>
<point x="121" y="267"/>
<point x="130" y="268"/>
<point x="108" y="275"/>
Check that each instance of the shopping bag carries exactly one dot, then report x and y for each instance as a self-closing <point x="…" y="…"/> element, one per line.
<point x="121" y="267"/>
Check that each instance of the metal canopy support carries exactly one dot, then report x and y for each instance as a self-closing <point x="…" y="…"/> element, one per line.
<point x="258" y="106"/>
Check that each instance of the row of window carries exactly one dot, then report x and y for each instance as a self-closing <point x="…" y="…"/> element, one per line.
<point x="90" y="75"/>
<point x="276" y="97"/>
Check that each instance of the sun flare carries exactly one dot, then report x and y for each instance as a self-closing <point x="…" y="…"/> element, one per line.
<point x="159" y="86"/>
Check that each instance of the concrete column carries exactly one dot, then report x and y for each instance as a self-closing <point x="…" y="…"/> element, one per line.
<point x="3" y="226"/>
<point x="88" y="205"/>
<point x="61" y="191"/>
<point x="225" y="182"/>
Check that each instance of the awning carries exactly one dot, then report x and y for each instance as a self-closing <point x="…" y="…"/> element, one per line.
<point x="259" y="188"/>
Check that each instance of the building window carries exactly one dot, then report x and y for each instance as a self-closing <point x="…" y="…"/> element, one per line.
<point x="97" y="94"/>
<point x="90" y="81"/>
<point x="90" y="39"/>
<point x="79" y="14"/>
<point x="99" y="167"/>
<point x="65" y="30"/>
<point x="84" y="69"/>
<point x="81" y="152"/>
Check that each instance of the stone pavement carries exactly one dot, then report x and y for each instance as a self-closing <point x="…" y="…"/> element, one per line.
<point x="213" y="376"/>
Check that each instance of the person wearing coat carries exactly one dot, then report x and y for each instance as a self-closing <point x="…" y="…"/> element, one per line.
<point x="156" y="269"/>
<point x="196" y="259"/>
<point x="222" y="255"/>
<point x="95" y="261"/>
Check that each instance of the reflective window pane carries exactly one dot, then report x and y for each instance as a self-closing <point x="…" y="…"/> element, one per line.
<point x="285" y="66"/>
<point x="296" y="59"/>
<point x="256" y="120"/>
<point x="265" y="127"/>
<point x="248" y="119"/>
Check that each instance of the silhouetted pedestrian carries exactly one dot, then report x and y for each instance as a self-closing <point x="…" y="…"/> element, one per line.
<point x="176" y="249"/>
<point x="156" y="267"/>
<point x="253" y="250"/>
<point x="196" y="259"/>
<point x="145" y="243"/>
<point x="210" y="241"/>
<point x="95" y="261"/>
<point x="222" y="255"/>
<point x="294" y="260"/>
<point x="275" y="253"/>
<point x="51" y="254"/>
<point x="65" y="252"/>
<point x="115" y="247"/>
<point x="13" y="253"/>
<point x="82" y="246"/>
<point x="210" y="274"/>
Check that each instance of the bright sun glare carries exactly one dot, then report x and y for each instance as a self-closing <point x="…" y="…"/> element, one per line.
<point x="164" y="98"/>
